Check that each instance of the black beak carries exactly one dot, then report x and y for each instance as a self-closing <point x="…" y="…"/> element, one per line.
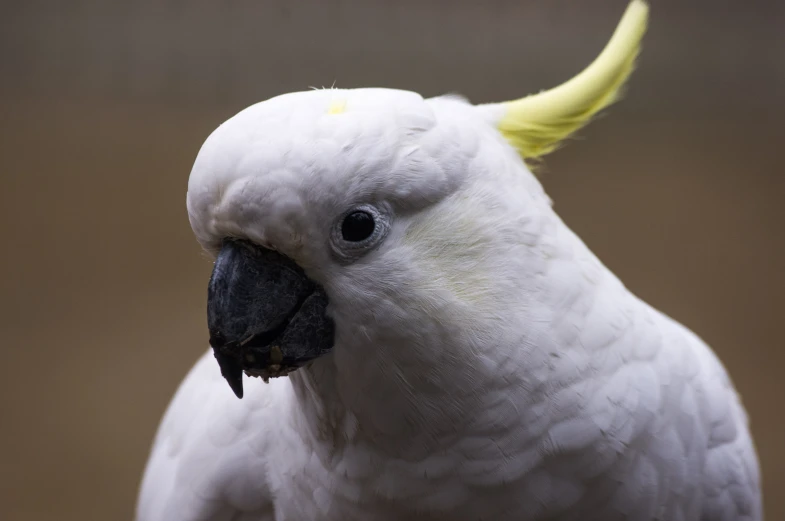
<point x="264" y="315"/>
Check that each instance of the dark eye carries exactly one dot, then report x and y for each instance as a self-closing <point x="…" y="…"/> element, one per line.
<point x="357" y="226"/>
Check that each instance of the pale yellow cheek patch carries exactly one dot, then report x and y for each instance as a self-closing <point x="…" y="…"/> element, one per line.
<point x="337" y="107"/>
<point x="447" y="260"/>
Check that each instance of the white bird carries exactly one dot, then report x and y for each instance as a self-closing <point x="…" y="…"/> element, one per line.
<point x="438" y="344"/>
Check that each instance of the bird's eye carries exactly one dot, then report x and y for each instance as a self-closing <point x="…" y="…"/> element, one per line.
<point x="357" y="226"/>
<point x="359" y="230"/>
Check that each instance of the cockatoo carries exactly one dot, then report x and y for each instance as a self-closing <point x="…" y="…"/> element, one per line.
<point x="432" y="342"/>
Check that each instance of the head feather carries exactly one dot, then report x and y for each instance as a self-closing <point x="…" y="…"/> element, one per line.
<point x="535" y="125"/>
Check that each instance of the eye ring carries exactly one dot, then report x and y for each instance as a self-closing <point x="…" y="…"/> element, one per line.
<point x="358" y="230"/>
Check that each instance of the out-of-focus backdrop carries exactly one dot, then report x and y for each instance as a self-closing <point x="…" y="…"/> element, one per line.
<point x="104" y="104"/>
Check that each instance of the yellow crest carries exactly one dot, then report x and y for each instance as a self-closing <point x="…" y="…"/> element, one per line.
<point x="536" y="124"/>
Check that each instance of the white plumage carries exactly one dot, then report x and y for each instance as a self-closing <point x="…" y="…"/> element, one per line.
<point x="486" y="364"/>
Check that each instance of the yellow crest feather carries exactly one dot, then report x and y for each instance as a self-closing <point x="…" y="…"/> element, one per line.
<point x="337" y="107"/>
<point x="536" y="124"/>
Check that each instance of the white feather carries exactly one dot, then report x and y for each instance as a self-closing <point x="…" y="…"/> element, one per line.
<point x="486" y="366"/>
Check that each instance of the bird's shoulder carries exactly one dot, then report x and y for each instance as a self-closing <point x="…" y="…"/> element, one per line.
<point x="184" y="480"/>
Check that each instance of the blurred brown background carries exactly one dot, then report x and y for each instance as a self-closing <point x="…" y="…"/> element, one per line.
<point x="104" y="105"/>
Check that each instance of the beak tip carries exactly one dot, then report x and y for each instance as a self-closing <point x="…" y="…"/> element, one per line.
<point x="232" y="372"/>
<point x="237" y="386"/>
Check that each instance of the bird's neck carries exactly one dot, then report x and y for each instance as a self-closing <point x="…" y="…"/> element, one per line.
<point x="402" y="414"/>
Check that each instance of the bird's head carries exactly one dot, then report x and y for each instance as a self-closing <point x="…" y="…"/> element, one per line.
<point x="377" y="217"/>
